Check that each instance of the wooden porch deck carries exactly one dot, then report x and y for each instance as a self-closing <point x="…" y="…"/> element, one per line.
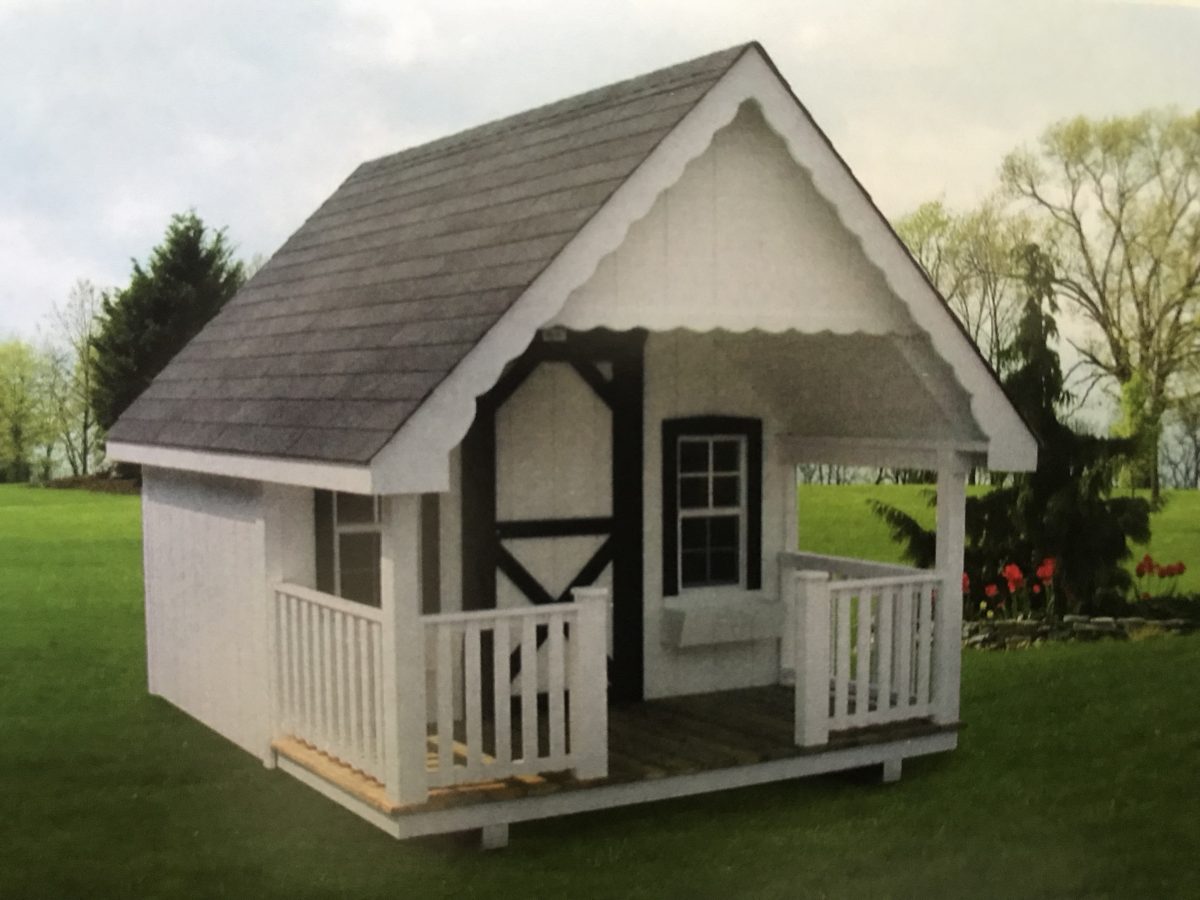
<point x="653" y="740"/>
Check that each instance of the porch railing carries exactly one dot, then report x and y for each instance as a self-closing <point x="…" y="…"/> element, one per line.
<point x="866" y="650"/>
<point x="329" y="668"/>
<point x="533" y="683"/>
<point x="538" y="705"/>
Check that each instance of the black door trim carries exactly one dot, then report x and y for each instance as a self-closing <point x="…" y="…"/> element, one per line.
<point x="483" y="553"/>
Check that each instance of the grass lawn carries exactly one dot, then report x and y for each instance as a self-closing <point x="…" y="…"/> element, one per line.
<point x="1077" y="776"/>
<point x="836" y="519"/>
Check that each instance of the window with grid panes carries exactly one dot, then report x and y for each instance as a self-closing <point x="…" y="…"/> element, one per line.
<point x="711" y="507"/>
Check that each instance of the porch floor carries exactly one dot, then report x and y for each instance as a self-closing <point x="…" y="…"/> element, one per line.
<point x="654" y="739"/>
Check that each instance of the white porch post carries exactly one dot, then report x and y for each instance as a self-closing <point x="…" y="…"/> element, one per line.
<point x="951" y="527"/>
<point x="589" y="684"/>
<point x="403" y="651"/>
<point x="811" y="645"/>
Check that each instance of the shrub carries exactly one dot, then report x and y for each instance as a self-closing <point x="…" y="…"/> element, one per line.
<point x="1064" y="510"/>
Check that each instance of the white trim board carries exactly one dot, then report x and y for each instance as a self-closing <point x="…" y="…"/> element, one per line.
<point x="464" y="818"/>
<point x="351" y="479"/>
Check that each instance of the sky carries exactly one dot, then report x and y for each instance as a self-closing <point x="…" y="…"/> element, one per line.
<point x="114" y="115"/>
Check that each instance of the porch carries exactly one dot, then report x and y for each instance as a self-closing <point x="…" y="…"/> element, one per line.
<point x="867" y="675"/>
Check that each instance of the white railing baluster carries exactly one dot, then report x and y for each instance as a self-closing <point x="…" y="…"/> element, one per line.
<point x="353" y="701"/>
<point x="444" y="679"/>
<point x="925" y="643"/>
<point x="904" y="644"/>
<point x="474" y="707"/>
<point x="501" y="702"/>
<point x="862" y="663"/>
<point x="556" y="707"/>
<point x="883" y="654"/>
<point x="285" y="665"/>
<point x="529" y="701"/>
<point x="377" y="692"/>
<point x="841" y="668"/>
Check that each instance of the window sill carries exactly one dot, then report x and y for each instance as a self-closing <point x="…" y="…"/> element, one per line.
<point x="714" y="616"/>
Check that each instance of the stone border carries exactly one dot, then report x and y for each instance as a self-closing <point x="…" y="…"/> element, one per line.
<point x="1006" y="634"/>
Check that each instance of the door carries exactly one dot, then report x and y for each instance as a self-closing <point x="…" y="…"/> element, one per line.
<point x="552" y="486"/>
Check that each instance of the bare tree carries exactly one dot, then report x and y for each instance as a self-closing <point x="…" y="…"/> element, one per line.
<point x="969" y="257"/>
<point x="71" y="364"/>
<point x="1118" y="202"/>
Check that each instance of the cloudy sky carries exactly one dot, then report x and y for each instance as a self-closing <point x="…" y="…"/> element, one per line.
<point x="113" y="115"/>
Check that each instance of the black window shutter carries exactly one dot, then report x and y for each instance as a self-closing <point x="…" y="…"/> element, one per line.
<point x="323" y="519"/>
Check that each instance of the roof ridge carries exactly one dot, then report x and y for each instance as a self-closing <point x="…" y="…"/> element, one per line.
<point x="720" y="61"/>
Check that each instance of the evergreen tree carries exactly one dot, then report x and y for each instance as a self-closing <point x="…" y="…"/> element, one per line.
<point x="187" y="279"/>
<point x="1064" y="509"/>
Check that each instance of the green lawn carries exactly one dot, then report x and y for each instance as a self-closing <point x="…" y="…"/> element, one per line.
<point x="836" y="519"/>
<point x="1076" y="777"/>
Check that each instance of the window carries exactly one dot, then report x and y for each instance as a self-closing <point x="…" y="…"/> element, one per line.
<point x="712" y="503"/>
<point x="348" y="546"/>
<point x="712" y="510"/>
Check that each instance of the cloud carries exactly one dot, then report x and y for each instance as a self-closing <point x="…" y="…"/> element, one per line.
<point x="117" y="114"/>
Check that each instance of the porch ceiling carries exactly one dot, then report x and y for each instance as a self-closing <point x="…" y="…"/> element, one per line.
<point x="877" y="387"/>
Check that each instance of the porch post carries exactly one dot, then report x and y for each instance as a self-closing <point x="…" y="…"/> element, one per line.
<point x="403" y="650"/>
<point x="811" y="650"/>
<point x="951" y="527"/>
<point x="589" y="684"/>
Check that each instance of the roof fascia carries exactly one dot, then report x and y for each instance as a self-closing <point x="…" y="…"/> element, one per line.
<point x="329" y="476"/>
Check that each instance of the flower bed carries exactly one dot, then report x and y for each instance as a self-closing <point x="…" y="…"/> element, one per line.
<point x="1008" y="634"/>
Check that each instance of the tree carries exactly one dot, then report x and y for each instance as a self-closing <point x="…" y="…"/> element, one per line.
<point x="25" y="425"/>
<point x="969" y="258"/>
<point x="1118" y="204"/>
<point x="186" y="280"/>
<point x="71" y="368"/>
<point x="1065" y="509"/>
<point x="1180" y="449"/>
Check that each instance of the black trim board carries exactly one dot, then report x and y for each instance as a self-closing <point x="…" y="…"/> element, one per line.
<point x="548" y="528"/>
<point x="672" y="431"/>
<point x="482" y="553"/>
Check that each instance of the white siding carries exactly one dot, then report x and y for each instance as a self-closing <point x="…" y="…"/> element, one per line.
<point x="687" y="375"/>
<point x="205" y="574"/>
<point x="742" y="240"/>
<point x="553" y="461"/>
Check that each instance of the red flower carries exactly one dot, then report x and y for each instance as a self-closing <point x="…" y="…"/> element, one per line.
<point x="1180" y="568"/>
<point x="1145" y="566"/>
<point x="1037" y="588"/>
<point x="1045" y="572"/>
<point x="1014" y="576"/>
<point x="991" y="590"/>
<point x="966" y="583"/>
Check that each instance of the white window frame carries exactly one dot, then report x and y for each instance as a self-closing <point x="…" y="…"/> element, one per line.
<point x="373" y="527"/>
<point x="741" y="510"/>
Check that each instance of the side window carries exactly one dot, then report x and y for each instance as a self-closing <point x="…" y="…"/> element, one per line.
<point x="348" y="546"/>
<point x="712" y="503"/>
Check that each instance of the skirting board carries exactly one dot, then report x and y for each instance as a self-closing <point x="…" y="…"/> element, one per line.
<point x="565" y="803"/>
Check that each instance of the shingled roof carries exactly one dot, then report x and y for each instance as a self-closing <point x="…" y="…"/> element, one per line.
<point x="330" y="348"/>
